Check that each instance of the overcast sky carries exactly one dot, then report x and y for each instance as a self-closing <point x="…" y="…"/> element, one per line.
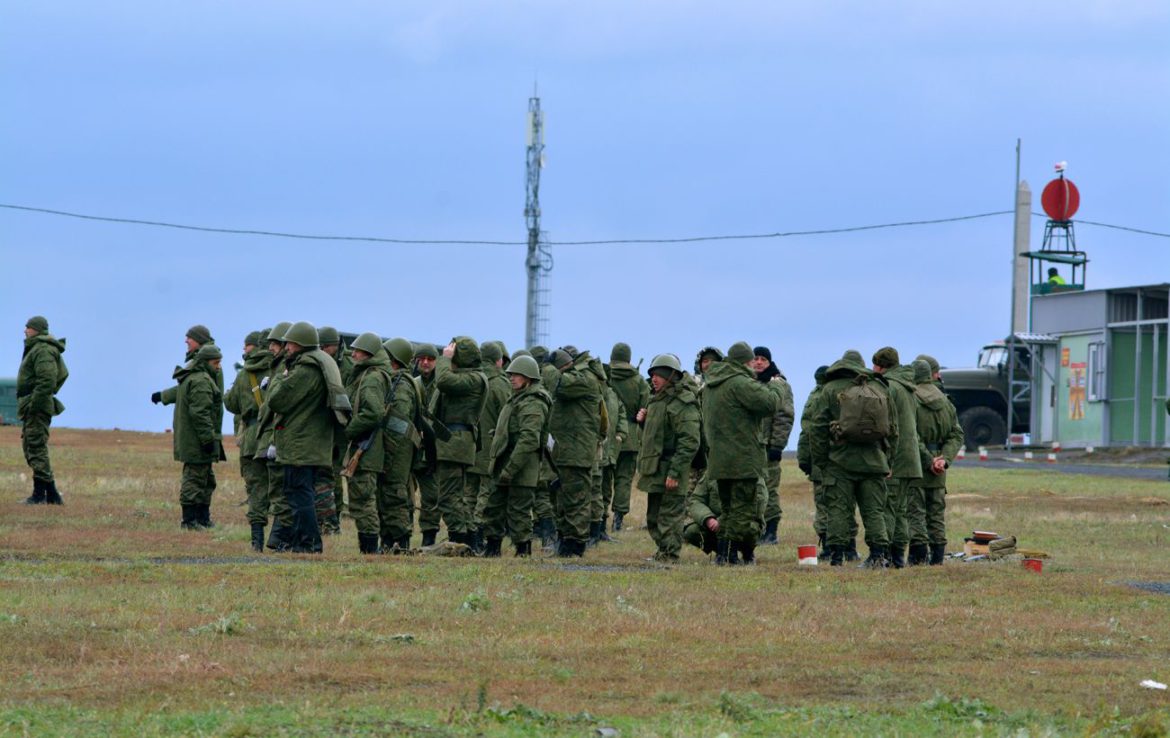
<point x="664" y="119"/>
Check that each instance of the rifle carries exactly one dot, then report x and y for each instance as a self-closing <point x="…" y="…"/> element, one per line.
<point x="356" y="457"/>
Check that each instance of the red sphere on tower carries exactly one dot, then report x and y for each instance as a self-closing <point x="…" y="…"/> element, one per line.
<point x="1060" y="197"/>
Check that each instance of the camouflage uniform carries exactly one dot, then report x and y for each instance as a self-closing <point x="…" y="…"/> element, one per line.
<point x="244" y="400"/>
<point x="576" y="429"/>
<point x="634" y="393"/>
<point x="905" y="465"/>
<point x="462" y="392"/>
<point x="425" y="461"/>
<point x="41" y="375"/>
<point x="939" y="434"/>
<point x="670" y="439"/>
<point x="368" y="388"/>
<point x="517" y="448"/>
<point x="775" y="432"/>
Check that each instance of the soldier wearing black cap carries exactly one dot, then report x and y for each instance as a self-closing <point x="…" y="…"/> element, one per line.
<point x="196" y="337"/>
<point x="42" y="372"/>
<point x="775" y="432"/>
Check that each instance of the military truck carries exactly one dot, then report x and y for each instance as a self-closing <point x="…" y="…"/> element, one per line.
<point x="980" y="394"/>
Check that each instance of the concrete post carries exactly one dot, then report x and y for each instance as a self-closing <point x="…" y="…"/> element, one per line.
<point x="1021" y="279"/>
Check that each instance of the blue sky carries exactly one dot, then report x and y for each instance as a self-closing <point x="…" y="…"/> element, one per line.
<point x="664" y="119"/>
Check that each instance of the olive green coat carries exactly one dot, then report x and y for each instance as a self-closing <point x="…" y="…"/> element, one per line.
<point x="634" y="392"/>
<point x="576" y="413"/>
<point x="461" y="392"/>
<point x="905" y="462"/>
<point x="304" y="423"/>
<point x="734" y="406"/>
<point x="198" y="418"/>
<point x="519" y="437"/>
<point x="266" y="419"/>
<point x="803" y="446"/>
<point x="499" y="390"/>
<point x="939" y="432"/>
<point x="42" y="372"/>
<point x="862" y="459"/>
<point x="619" y="427"/>
<point x="245" y="402"/>
<point x="776" y="430"/>
<point x="170" y="394"/>
<point x="369" y="383"/>
<point x="670" y="437"/>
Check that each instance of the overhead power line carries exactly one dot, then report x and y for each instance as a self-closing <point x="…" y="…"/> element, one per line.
<point x="599" y="242"/>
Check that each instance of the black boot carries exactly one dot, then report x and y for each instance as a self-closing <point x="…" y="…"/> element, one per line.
<point x="403" y="543"/>
<point x="938" y="552"/>
<point x="428" y="537"/>
<point x="733" y="553"/>
<point x="52" y="496"/>
<point x="548" y="533"/>
<point x="594" y="534"/>
<point x="279" y="537"/>
<point x="722" y="545"/>
<point x="851" y="551"/>
<point x="918" y="554"/>
<point x="190" y="519"/>
<point x="836" y="555"/>
<point x="602" y="535"/>
<point x="896" y="557"/>
<point x="524" y="550"/>
<point x="475" y="539"/>
<point x="205" y="516"/>
<point x="825" y="554"/>
<point x="747" y="554"/>
<point x="258" y="537"/>
<point x="877" y="558"/>
<point x="769" y="538"/>
<point x="38" y="495"/>
<point x="491" y="548"/>
<point x="571" y="549"/>
<point x="617" y="521"/>
<point x="368" y="543"/>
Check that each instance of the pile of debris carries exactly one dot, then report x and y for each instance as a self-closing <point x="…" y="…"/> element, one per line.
<point x="985" y="545"/>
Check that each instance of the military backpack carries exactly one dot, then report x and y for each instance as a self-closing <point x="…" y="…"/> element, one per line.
<point x="865" y="412"/>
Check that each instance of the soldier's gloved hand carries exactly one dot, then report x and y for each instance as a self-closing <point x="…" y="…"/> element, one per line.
<point x="775" y="454"/>
<point x="208" y="448"/>
<point x="156" y="397"/>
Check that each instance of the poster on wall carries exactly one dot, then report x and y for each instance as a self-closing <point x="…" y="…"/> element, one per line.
<point x="1077" y="384"/>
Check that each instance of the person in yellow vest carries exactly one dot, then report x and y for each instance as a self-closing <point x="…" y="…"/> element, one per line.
<point x="1054" y="278"/>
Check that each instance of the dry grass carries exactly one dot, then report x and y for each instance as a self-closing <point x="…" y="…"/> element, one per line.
<point x="91" y="619"/>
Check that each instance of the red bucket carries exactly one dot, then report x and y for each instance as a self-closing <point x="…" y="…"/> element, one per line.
<point x="1036" y="565"/>
<point x="806" y="555"/>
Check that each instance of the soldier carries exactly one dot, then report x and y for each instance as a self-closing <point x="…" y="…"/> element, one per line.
<point x="517" y="449"/>
<point x="402" y="439"/>
<point x="851" y="439"/>
<point x="42" y="372"/>
<point x="332" y="344"/>
<point x="543" y="509"/>
<point x="775" y="431"/>
<point x="603" y="471"/>
<point x="935" y="375"/>
<point x="461" y="394"/>
<point x="365" y="454"/>
<point x="196" y="337"/>
<point x="279" y="536"/>
<point x="576" y="430"/>
<point x="329" y="510"/>
<point x="939" y="438"/>
<point x="804" y="461"/>
<point x="425" y="356"/>
<point x="479" y="479"/>
<point x="670" y="439"/>
<point x="906" y="468"/>
<point x="634" y="393"/>
<point x="244" y="400"/>
<point x="198" y="439"/>
<point x="304" y="430"/>
<point x="701" y="528"/>
<point x="734" y="406"/>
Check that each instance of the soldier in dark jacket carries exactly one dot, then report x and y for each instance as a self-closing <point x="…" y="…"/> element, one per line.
<point x="244" y="400"/>
<point x="198" y="439"/>
<point x="42" y="372"/>
<point x="734" y="406"/>
<point x="775" y="432"/>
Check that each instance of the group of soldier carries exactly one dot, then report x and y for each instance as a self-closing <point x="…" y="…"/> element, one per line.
<point x="545" y="444"/>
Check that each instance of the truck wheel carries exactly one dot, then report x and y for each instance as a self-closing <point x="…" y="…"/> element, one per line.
<point x="983" y="426"/>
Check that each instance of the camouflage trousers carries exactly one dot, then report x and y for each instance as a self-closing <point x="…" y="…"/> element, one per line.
<point x="664" y="519"/>
<point x="323" y="502"/>
<point x="255" y="475"/>
<point x="573" y="502"/>
<point x="926" y="509"/>
<point x="742" y="502"/>
<point x="509" y="512"/>
<point x="821" y="516"/>
<point x="277" y="503"/>
<point x="897" y="527"/>
<point x="772" y="481"/>
<point x="602" y="492"/>
<point x="428" y="501"/>
<point x="623" y="480"/>
<point x="196" y="484"/>
<point x="363" y="501"/>
<point x="843" y="491"/>
<point x="395" y="508"/>
<point x="475" y="495"/>
<point x="452" y="506"/>
<point x="34" y="441"/>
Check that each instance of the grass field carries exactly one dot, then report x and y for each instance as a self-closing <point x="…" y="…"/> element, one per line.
<point x="115" y="622"/>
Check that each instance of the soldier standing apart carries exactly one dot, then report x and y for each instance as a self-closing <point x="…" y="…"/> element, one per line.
<point x="939" y="438"/>
<point x="852" y="439"/>
<point x="670" y="439"/>
<point x="634" y="392"/>
<point x="734" y="406"/>
<point x="517" y="449"/>
<point x="198" y="436"/>
<point x="42" y="372"/>
<point x="775" y="431"/>
<point x="479" y="479"/>
<point x="425" y="357"/>
<point x="576" y="431"/>
<point x="402" y="438"/>
<point x="906" y="467"/>
<point x="461" y="394"/>
<point x="244" y="400"/>
<point x="304" y="426"/>
<point x="365" y="455"/>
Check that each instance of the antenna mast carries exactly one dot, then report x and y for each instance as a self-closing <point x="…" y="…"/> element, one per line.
<point x="539" y="262"/>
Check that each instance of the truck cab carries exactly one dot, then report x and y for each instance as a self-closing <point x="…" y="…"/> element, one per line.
<point x="981" y="393"/>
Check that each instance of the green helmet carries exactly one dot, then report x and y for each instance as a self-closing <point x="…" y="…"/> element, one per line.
<point x="400" y="350"/>
<point x="327" y="335"/>
<point x="666" y="361"/>
<point x="278" y="331"/>
<point x="368" y="342"/>
<point x="525" y="366"/>
<point x="302" y="333"/>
